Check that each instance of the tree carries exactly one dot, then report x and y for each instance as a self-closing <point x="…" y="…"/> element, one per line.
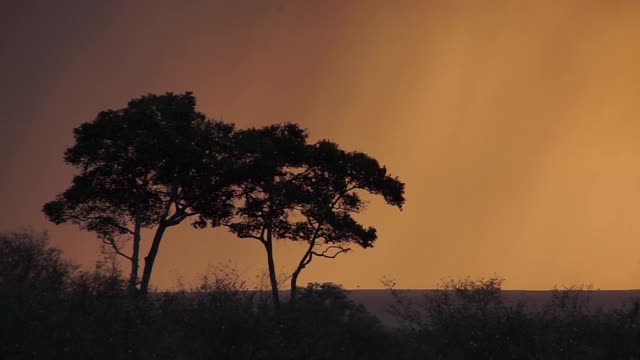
<point x="332" y="180"/>
<point x="267" y="159"/>
<point x="146" y="166"/>
<point x="301" y="192"/>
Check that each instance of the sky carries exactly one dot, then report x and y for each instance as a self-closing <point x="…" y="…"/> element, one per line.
<point x="514" y="124"/>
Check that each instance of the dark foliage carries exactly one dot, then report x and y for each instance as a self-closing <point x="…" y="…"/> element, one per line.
<point x="470" y="320"/>
<point x="90" y="315"/>
<point x="49" y="310"/>
<point x="293" y="190"/>
<point x="326" y="324"/>
<point x="28" y="264"/>
<point x="148" y="165"/>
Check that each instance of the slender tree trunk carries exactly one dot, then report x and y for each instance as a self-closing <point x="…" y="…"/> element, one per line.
<point x="268" y="244"/>
<point x="151" y="258"/>
<point x="294" y="286"/>
<point x="294" y="279"/>
<point x="135" y="256"/>
<point x="306" y="259"/>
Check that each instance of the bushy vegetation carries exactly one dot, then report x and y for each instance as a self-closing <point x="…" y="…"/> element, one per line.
<point x="92" y="315"/>
<point x="51" y="310"/>
<point x="470" y="319"/>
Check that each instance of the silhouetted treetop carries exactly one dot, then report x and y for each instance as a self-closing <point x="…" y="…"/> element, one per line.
<point x="305" y="192"/>
<point x="147" y="165"/>
<point x="135" y="159"/>
<point x="332" y="179"/>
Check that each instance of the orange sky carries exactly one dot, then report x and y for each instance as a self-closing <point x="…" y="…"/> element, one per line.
<point x="515" y="124"/>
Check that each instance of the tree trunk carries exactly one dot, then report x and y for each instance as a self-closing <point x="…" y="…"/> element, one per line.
<point x="294" y="280"/>
<point x="135" y="256"/>
<point x="151" y="258"/>
<point x="306" y="259"/>
<point x="268" y="244"/>
<point x="294" y="287"/>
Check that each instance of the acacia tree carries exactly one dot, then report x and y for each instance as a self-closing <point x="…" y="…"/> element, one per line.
<point x="267" y="161"/>
<point x="145" y="167"/>
<point x="332" y="180"/>
<point x="296" y="191"/>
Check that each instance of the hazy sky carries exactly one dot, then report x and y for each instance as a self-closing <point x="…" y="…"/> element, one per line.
<point x="515" y="124"/>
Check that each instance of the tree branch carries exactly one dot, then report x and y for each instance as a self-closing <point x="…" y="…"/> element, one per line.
<point x="114" y="245"/>
<point x="308" y="255"/>
<point x="262" y="231"/>
<point x="308" y="259"/>
<point x="120" y="227"/>
<point x="340" y="250"/>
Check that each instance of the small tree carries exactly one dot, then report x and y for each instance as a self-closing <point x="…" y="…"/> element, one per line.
<point x="296" y="191"/>
<point x="332" y="180"/>
<point x="268" y="160"/>
<point x="145" y="166"/>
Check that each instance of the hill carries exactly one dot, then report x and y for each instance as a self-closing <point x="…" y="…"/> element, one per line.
<point x="378" y="301"/>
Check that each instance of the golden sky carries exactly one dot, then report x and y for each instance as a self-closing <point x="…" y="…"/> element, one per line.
<point x="515" y="124"/>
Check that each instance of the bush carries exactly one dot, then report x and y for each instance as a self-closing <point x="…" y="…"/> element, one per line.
<point x="464" y="319"/>
<point x="469" y="319"/>
<point x="33" y="279"/>
<point x="30" y="264"/>
<point x="49" y="309"/>
<point x="326" y="324"/>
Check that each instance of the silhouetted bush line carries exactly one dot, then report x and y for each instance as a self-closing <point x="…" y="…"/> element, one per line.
<point x="470" y="320"/>
<point x="50" y="310"/>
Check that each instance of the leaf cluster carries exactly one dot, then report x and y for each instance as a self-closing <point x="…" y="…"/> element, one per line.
<point x="148" y="162"/>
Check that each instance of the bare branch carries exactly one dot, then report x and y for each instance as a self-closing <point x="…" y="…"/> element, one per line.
<point x="353" y="187"/>
<point x="308" y="259"/>
<point x="325" y="253"/>
<point x="114" y="245"/>
<point x="177" y="217"/>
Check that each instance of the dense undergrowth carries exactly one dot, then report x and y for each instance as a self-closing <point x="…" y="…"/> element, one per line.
<point x="51" y="310"/>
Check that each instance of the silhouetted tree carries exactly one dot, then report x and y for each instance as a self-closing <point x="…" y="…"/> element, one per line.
<point x="332" y="180"/>
<point x="268" y="161"/>
<point x="145" y="166"/>
<point x="297" y="191"/>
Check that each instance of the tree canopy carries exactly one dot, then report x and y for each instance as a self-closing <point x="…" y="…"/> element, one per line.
<point x="332" y="180"/>
<point x="159" y="161"/>
<point x="267" y="159"/>
<point x="306" y="192"/>
<point x="144" y="166"/>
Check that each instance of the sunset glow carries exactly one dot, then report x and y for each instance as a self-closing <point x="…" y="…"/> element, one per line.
<point x="515" y="125"/>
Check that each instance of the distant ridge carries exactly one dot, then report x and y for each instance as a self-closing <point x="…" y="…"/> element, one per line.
<point x="378" y="301"/>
